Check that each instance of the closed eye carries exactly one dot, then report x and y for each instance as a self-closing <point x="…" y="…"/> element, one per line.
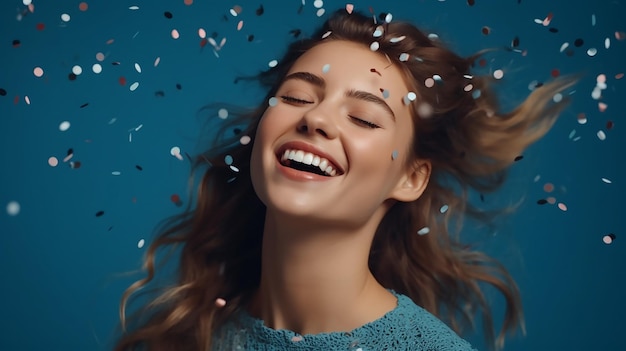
<point x="364" y="123"/>
<point x="294" y="100"/>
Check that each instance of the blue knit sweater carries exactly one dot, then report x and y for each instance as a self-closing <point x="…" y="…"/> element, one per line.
<point x="406" y="327"/>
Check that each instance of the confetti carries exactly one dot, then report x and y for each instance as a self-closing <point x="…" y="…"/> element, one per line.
<point x="273" y="101"/>
<point x="608" y="239"/>
<point x="83" y="6"/>
<point x="297" y="338"/>
<point x="443" y="209"/>
<point x="607" y="181"/>
<point x="409" y="97"/>
<point x="245" y="140"/>
<point x="13" y="208"/>
<point x="64" y="126"/>
<point x="77" y="70"/>
<point x="326" y="68"/>
<point x="65" y="17"/>
<point x="99" y="213"/>
<point x="140" y="243"/>
<point x="374" y="46"/>
<point x="349" y="8"/>
<point x="38" y="72"/>
<point x="175" y="34"/>
<point x="96" y="68"/>
<point x="394" y="155"/>
<point x="273" y="63"/>
<point x="423" y="231"/>
<point x="498" y="74"/>
<point x="404" y="57"/>
<point x="222" y="113"/>
<point x="562" y="207"/>
<point x="53" y="161"/>
<point x="134" y="86"/>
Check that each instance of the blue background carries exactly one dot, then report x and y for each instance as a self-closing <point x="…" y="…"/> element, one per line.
<point x="60" y="264"/>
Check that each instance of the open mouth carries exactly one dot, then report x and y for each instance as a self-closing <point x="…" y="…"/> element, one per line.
<point x="308" y="162"/>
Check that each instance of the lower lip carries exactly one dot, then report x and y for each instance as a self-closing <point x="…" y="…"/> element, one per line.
<point x="294" y="174"/>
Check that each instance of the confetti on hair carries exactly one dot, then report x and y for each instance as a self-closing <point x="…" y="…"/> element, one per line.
<point x="325" y="35"/>
<point x="397" y="39"/>
<point x="349" y="8"/>
<point x="409" y="97"/>
<point x="378" y="32"/>
<point x="444" y="209"/>
<point x="423" y="231"/>
<point x="374" y="46"/>
<point x="220" y="302"/>
<point x="404" y="57"/>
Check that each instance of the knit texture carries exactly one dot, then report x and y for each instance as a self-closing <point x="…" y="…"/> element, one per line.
<point x="406" y="327"/>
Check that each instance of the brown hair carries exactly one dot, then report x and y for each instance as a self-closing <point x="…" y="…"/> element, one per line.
<point x="457" y="126"/>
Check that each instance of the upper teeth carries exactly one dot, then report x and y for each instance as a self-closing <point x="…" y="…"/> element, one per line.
<point x="309" y="159"/>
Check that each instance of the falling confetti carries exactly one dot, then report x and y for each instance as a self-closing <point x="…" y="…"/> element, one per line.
<point x="13" y="208"/>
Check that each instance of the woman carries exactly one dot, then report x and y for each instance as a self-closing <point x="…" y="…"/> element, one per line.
<point x="333" y="230"/>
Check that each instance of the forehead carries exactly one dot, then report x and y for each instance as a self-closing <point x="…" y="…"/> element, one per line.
<point x="353" y="64"/>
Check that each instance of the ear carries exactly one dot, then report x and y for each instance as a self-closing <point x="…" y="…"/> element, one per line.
<point x="413" y="183"/>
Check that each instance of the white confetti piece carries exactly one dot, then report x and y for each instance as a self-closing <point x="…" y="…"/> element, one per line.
<point x="134" y="86"/>
<point x="423" y="231"/>
<point x="607" y="181"/>
<point x="96" y="68"/>
<point x="141" y="243"/>
<point x="137" y="67"/>
<point x="601" y="135"/>
<point x="273" y="63"/>
<point x="77" y="70"/>
<point x="222" y="113"/>
<point x="65" y="17"/>
<point x="64" y="126"/>
<point x="13" y="208"/>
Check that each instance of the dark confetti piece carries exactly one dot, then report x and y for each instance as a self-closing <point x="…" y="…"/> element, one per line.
<point x="578" y="42"/>
<point x="236" y="131"/>
<point x="41" y="26"/>
<point x="70" y="151"/>
<point x="168" y="14"/>
<point x="553" y="30"/>
<point x="300" y="8"/>
<point x="84" y="105"/>
<point x="260" y="10"/>
<point x="542" y="202"/>
<point x="3" y="92"/>
<point x="139" y="167"/>
<point x="72" y="77"/>
<point x="110" y="228"/>
<point x="515" y="42"/>
<point x="486" y="30"/>
<point x="75" y="165"/>
<point x="295" y="32"/>
<point x="471" y="2"/>
<point x="178" y="86"/>
<point x="16" y="43"/>
<point x="482" y="197"/>
<point x="250" y="37"/>
<point x="115" y="63"/>
<point x="99" y="213"/>
<point x="518" y="158"/>
<point x="609" y="125"/>
<point x="159" y="93"/>
<point x="569" y="52"/>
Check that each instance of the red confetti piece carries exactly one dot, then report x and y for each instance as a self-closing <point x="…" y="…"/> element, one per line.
<point x="555" y="73"/>
<point x="83" y="6"/>
<point x="609" y="125"/>
<point x="41" y="26"/>
<point x="122" y="81"/>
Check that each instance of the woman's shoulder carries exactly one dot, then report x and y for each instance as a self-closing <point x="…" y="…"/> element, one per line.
<point x="411" y="326"/>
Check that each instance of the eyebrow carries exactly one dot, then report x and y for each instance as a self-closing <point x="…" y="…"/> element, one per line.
<point x="352" y="93"/>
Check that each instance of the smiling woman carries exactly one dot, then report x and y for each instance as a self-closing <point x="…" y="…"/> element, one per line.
<point x="331" y="237"/>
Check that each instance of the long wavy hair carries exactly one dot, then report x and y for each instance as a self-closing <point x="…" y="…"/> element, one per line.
<point x="457" y="126"/>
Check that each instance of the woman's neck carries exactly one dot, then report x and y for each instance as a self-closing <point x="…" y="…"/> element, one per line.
<point x="314" y="279"/>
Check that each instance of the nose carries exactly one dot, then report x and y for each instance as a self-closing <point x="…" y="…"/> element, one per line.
<point x="319" y="120"/>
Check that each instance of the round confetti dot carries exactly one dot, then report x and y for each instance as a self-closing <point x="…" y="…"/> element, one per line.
<point x="100" y="56"/>
<point x="320" y="12"/>
<point x="3" y="92"/>
<point x="498" y="74"/>
<point x="83" y="6"/>
<point x="188" y="2"/>
<point x="557" y="97"/>
<point x="228" y="160"/>
<point x="486" y="30"/>
<point x="13" y="208"/>
<point x="64" y="126"/>
<point x="602" y="106"/>
<point x="222" y="113"/>
<point x="53" y="161"/>
<point x="423" y="231"/>
<point x="608" y="239"/>
<point x="273" y="101"/>
<point x="38" y="72"/>
<point x="27" y="2"/>
<point x="175" y="151"/>
<point x="219" y="302"/>
<point x="429" y="82"/>
<point x="297" y="338"/>
<point x="548" y="187"/>
<point x="578" y="42"/>
<point x="388" y="18"/>
<point x="141" y="243"/>
<point x="245" y="140"/>
<point x="273" y="63"/>
<point x="65" y="17"/>
<point x="318" y="4"/>
<point x="168" y="15"/>
<point x="77" y="70"/>
<point x="378" y="32"/>
<point x="374" y="46"/>
<point x="96" y="68"/>
<point x="592" y="52"/>
<point x="175" y="34"/>
<point x="326" y="68"/>
<point x="40" y="26"/>
<point x="202" y="33"/>
<point x="425" y="110"/>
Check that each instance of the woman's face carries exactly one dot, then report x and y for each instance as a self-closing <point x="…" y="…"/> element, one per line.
<point x="332" y="145"/>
